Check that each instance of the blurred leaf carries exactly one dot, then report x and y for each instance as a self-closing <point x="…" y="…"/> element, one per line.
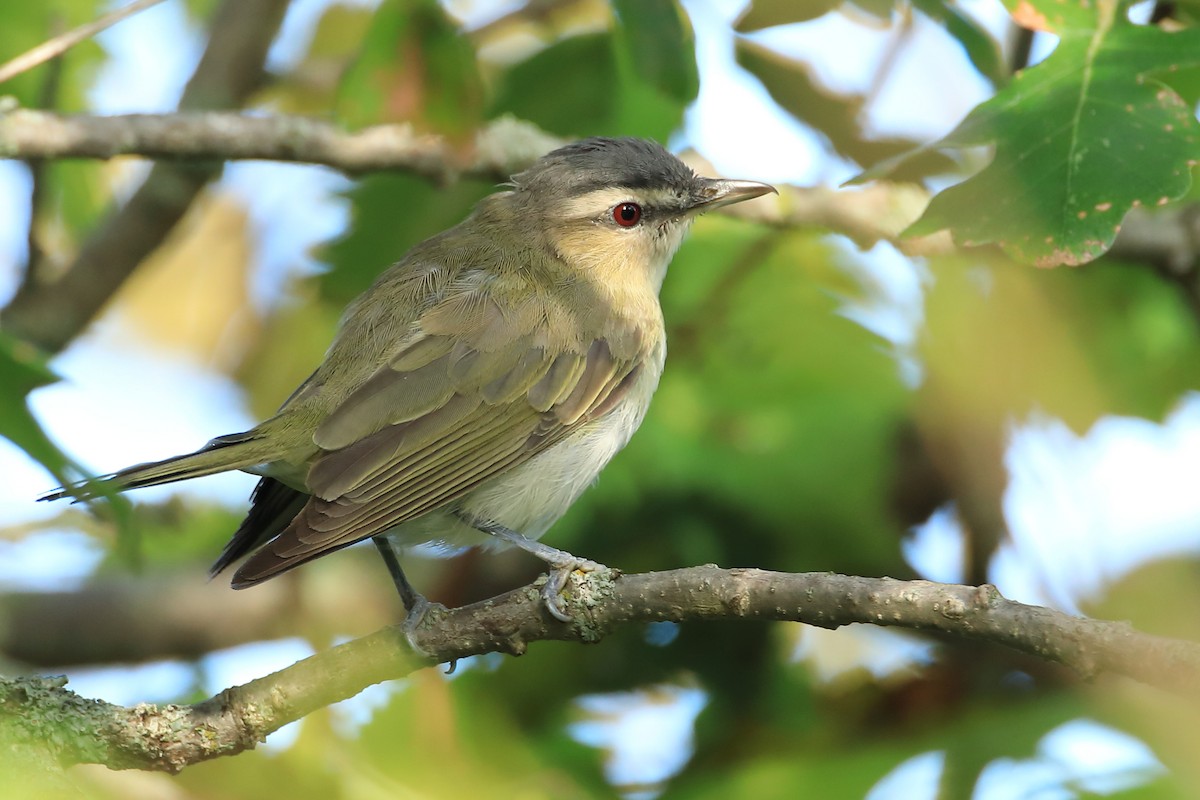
<point x="442" y="738"/>
<point x="838" y="117"/>
<point x="1059" y="17"/>
<point x="415" y="66"/>
<point x="73" y="192"/>
<point x="1080" y="139"/>
<point x="341" y="28"/>
<point x="292" y="343"/>
<point x="27" y="25"/>
<point x="981" y="47"/>
<point x="317" y="766"/>
<point x="642" y="110"/>
<point x="1113" y="340"/>
<point x="834" y="760"/>
<point x="1137" y="597"/>
<point x="76" y="194"/>
<point x="176" y="532"/>
<point x="569" y="89"/>
<point x="191" y="295"/>
<point x="1141" y="335"/>
<point x="658" y="38"/>
<point x="391" y="213"/>
<point x="23" y="369"/>
<point x="877" y="12"/>
<point x="588" y="85"/>
<point x="769" y="13"/>
<point x="311" y="86"/>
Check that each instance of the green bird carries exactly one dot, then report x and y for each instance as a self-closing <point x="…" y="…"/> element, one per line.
<point x="481" y="384"/>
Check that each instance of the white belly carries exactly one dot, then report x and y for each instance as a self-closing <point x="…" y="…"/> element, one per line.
<point x="530" y="498"/>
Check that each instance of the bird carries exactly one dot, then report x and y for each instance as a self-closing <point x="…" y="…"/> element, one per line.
<point x="480" y="385"/>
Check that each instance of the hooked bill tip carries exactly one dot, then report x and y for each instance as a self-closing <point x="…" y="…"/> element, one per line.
<point x="719" y="192"/>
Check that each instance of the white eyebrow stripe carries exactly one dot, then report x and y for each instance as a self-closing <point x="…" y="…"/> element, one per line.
<point x="597" y="202"/>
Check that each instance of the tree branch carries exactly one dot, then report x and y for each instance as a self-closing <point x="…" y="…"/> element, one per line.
<point x="50" y="311"/>
<point x="867" y="215"/>
<point x="502" y="148"/>
<point x="171" y="737"/>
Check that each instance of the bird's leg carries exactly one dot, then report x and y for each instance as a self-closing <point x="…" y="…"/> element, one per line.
<point x="561" y="563"/>
<point x="408" y="595"/>
<point x="415" y="604"/>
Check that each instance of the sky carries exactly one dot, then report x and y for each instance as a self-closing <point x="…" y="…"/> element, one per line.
<point x="1083" y="508"/>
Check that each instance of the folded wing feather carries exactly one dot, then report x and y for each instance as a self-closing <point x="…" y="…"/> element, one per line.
<point x="441" y="418"/>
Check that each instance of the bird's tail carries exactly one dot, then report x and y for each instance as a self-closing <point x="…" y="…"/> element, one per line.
<point x="235" y="451"/>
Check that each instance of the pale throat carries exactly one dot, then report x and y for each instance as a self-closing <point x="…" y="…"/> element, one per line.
<point x="633" y="259"/>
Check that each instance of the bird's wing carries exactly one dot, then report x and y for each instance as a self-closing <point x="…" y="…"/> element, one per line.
<point x="450" y="411"/>
<point x="273" y="505"/>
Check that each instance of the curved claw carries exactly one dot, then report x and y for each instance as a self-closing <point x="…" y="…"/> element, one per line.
<point x="561" y="563"/>
<point x="412" y="622"/>
<point x="556" y="581"/>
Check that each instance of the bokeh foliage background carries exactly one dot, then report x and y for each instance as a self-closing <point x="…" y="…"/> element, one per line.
<point x="792" y="431"/>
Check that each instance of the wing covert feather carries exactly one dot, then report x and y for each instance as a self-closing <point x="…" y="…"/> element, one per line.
<point x="444" y="416"/>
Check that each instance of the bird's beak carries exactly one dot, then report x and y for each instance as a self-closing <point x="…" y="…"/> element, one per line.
<point x="715" y="192"/>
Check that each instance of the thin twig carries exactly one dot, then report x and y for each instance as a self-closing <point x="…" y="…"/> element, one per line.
<point x="47" y="98"/>
<point x="60" y="44"/>
<point x="887" y="64"/>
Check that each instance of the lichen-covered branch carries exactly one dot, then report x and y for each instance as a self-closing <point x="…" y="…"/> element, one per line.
<point x="171" y="737"/>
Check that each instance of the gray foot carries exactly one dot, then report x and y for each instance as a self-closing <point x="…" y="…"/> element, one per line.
<point x="561" y="564"/>
<point x="412" y="624"/>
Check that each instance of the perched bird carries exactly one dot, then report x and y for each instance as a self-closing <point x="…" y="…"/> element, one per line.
<point x="480" y="385"/>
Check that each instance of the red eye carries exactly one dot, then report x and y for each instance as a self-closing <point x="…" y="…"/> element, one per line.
<point x="627" y="214"/>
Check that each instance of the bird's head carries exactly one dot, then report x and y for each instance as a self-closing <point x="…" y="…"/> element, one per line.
<point x="620" y="205"/>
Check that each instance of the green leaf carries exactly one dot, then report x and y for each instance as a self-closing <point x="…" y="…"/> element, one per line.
<point x="27" y="25"/>
<point x="23" y="369"/>
<point x="1080" y="139"/>
<point x="658" y="38"/>
<point x="882" y="10"/>
<point x="569" y="89"/>
<point x="768" y="13"/>
<point x="1112" y="339"/>
<point x="335" y="45"/>
<point x="1055" y="16"/>
<point x="415" y="66"/>
<point x="391" y="213"/>
<point x="588" y="85"/>
<point x="76" y="195"/>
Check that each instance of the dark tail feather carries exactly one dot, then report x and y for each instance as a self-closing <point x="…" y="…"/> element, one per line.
<point x="273" y="506"/>
<point x="234" y="451"/>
